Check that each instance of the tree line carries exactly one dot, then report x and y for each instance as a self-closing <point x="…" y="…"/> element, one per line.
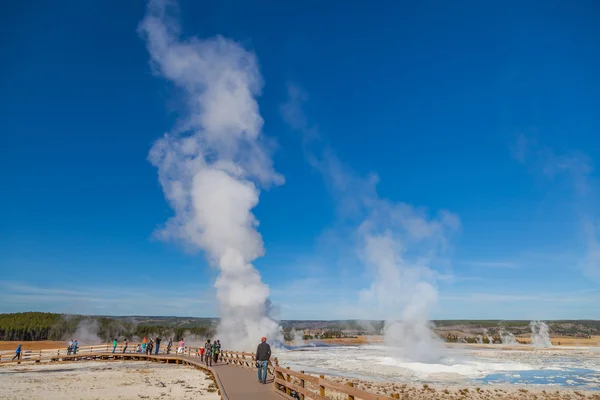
<point x="29" y="326"/>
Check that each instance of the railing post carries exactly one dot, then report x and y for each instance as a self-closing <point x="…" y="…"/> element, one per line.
<point x="275" y="373"/>
<point x="350" y="397"/>
<point x="321" y="387"/>
<point x="288" y="378"/>
<point x="302" y="386"/>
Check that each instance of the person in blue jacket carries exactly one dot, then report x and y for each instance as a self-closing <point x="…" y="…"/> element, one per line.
<point x="18" y="355"/>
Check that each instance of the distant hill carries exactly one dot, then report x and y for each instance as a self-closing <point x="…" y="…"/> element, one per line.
<point x="574" y="328"/>
<point x="49" y="326"/>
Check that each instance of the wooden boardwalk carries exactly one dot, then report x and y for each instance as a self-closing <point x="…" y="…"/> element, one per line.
<point x="235" y="377"/>
<point x="242" y="384"/>
<point x="235" y="382"/>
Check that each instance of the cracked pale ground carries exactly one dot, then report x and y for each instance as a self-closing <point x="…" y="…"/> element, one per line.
<point x="105" y="381"/>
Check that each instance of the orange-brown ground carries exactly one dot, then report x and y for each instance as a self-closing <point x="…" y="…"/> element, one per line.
<point x="36" y="345"/>
<point x="569" y="341"/>
<point x="50" y="344"/>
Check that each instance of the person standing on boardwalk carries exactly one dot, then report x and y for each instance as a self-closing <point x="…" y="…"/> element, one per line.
<point x="17" y="353"/>
<point x="149" y="347"/>
<point x="75" y="345"/>
<point x="169" y="345"/>
<point x="70" y="347"/>
<point x="125" y="345"/>
<point x="180" y="348"/>
<point x="208" y="349"/>
<point x="114" y="345"/>
<point x="158" y="340"/>
<point x="206" y="346"/>
<point x="216" y="351"/>
<point x="144" y="341"/>
<point x="263" y="354"/>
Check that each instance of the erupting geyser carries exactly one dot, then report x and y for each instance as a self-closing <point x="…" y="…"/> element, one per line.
<point x="211" y="165"/>
<point x="403" y="289"/>
<point x="397" y="242"/>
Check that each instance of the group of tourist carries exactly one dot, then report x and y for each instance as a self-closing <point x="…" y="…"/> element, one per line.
<point x="125" y="345"/>
<point x="211" y="352"/>
<point x="149" y="345"/>
<point x="72" y="347"/>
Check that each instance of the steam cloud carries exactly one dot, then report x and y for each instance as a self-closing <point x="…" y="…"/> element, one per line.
<point x="576" y="169"/>
<point x="298" y="337"/>
<point x="540" y="335"/>
<point x="507" y="337"/>
<point x="397" y="243"/>
<point x="211" y="165"/>
<point x="86" y="333"/>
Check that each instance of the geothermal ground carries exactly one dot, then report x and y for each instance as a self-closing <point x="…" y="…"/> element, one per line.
<point x="497" y="371"/>
<point x="462" y="372"/>
<point x="105" y="381"/>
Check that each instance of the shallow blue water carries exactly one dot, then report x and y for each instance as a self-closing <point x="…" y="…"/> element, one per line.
<point x="567" y="377"/>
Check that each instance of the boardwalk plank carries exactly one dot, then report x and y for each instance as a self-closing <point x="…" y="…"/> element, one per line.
<point x="242" y="384"/>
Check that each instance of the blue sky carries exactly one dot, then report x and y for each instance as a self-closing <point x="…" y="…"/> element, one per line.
<point x="487" y="111"/>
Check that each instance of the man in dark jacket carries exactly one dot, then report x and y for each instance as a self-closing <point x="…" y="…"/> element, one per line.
<point x="157" y="345"/>
<point x="263" y="354"/>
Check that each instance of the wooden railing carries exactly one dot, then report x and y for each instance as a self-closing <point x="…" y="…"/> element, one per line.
<point x="246" y="360"/>
<point x="292" y="384"/>
<point x="298" y="385"/>
<point x="30" y="355"/>
<point x="90" y="353"/>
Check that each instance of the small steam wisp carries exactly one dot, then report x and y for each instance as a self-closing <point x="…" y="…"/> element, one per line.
<point x="211" y="166"/>
<point x="298" y="337"/>
<point x="508" y="338"/>
<point x="540" y="334"/>
<point x="86" y="333"/>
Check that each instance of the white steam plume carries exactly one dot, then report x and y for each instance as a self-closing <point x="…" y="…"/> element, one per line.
<point x="487" y="335"/>
<point x="397" y="243"/>
<point x="507" y="337"/>
<point x="576" y="169"/>
<point x="211" y="164"/>
<point x="298" y="337"/>
<point x="540" y="335"/>
<point x="86" y="333"/>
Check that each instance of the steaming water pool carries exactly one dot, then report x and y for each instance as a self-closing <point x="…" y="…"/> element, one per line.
<point x="569" y="368"/>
